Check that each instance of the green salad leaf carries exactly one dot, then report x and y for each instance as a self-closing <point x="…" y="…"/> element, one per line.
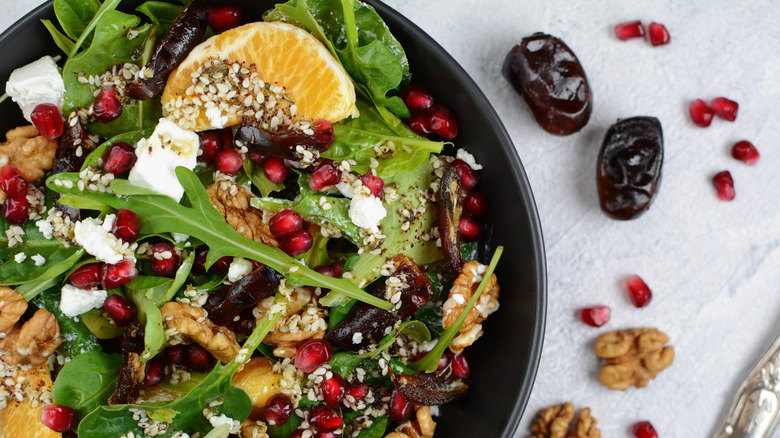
<point x="76" y="337"/>
<point x="60" y="39"/>
<point x="162" y="14"/>
<point x="75" y="15"/>
<point x="256" y="174"/>
<point x="87" y="381"/>
<point x="131" y="138"/>
<point x="107" y="7"/>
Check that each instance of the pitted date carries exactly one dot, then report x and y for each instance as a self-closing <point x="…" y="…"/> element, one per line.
<point x="629" y="167"/>
<point x="548" y="75"/>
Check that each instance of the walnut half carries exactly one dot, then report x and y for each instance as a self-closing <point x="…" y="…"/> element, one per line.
<point x="29" y="152"/>
<point x="461" y="292"/>
<point x="422" y="426"/>
<point x="554" y="421"/>
<point x="192" y="322"/>
<point x="232" y="202"/>
<point x="33" y="342"/>
<point x="632" y="357"/>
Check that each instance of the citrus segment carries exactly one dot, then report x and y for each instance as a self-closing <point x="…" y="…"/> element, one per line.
<point x="23" y="419"/>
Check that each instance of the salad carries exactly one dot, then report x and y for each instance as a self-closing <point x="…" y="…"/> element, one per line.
<point x="218" y="229"/>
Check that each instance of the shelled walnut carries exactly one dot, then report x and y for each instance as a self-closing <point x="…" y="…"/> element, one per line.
<point x="192" y="322"/>
<point x="422" y="426"/>
<point x="232" y="202"/>
<point x="633" y="356"/>
<point x="461" y="292"/>
<point x="554" y="421"/>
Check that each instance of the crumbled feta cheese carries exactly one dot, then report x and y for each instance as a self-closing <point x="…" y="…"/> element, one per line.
<point x="219" y="420"/>
<point x="345" y="187"/>
<point x="216" y="117"/>
<point x="38" y="259"/>
<point x="158" y="157"/>
<point x="357" y="338"/>
<point x="366" y="211"/>
<point x="108" y="222"/>
<point x="468" y="158"/>
<point x="19" y="258"/>
<point x="76" y="301"/>
<point x="45" y="228"/>
<point x="239" y="267"/>
<point x="459" y="299"/>
<point x="96" y="240"/>
<point x="179" y="237"/>
<point x="36" y="83"/>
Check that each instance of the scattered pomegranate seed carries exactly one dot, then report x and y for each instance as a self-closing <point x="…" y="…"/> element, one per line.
<point x="421" y="124"/>
<point x="724" y="108"/>
<point x="375" y="184"/>
<point x="312" y="354"/>
<point x="700" y="112"/>
<point x="400" y="410"/>
<point x="724" y="185"/>
<point x="174" y="355"/>
<point x="460" y="366"/>
<point x="119" y="310"/>
<point x="333" y="390"/>
<point x="595" y="316"/>
<point x="358" y="391"/>
<point x="443" y="122"/>
<point x="47" y="120"/>
<point x="325" y="175"/>
<point x="198" y="358"/>
<point x="631" y="29"/>
<point x="323" y="132"/>
<point x="227" y="137"/>
<point x="211" y="143"/>
<point x="465" y="172"/>
<point x="58" y="418"/>
<point x="221" y="266"/>
<point x="444" y="360"/>
<point x="119" y="158"/>
<point x="119" y="274"/>
<point x="325" y="419"/>
<point x="16" y="210"/>
<point x="475" y="203"/>
<point x="155" y="370"/>
<point x="275" y="170"/>
<point x="417" y="98"/>
<point x="278" y="409"/>
<point x="285" y="223"/>
<point x="229" y="161"/>
<point x="328" y="270"/>
<point x="644" y="429"/>
<point x="12" y="182"/>
<point x="107" y="106"/>
<point x="88" y="276"/>
<point x="246" y="322"/>
<point x="297" y="433"/>
<point x="471" y="229"/>
<point x="745" y="151"/>
<point x="127" y="226"/>
<point x="658" y="34"/>
<point x="296" y="243"/>
<point x="225" y="17"/>
<point x="325" y="435"/>
<point x="164" y="259"/>
<point x="638" y="291"/>
<point x="199" y="264"/>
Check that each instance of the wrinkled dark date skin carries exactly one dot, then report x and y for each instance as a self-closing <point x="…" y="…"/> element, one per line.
<point x="629" y="168"/>
<point x="226" y="304"/>
<point x="66" y="160"/>
<point x="280" y="144"/>
<point x="429" y="389"/>
<point x="185" y="33"/>
<point x="372" y="321"/>
<point x="131" y="373"/>
<point x="548" y="75"/>
<point x="449" y="205"/>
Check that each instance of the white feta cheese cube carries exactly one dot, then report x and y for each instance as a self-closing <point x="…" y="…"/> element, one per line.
<point x="36" y="83"/>
<point x="96" y="240"/>
<point x="468" y="158"/>
<point x="239" y="267"/>
<point x="366" y="211"/>
<point x="38" y="259"/>
<point x="76" y="301"/>
<point x="20" y="257"/>
<point x="45" y="228"/>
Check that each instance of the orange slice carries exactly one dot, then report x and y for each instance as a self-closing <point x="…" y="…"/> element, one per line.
<point x="259" y="380"/>
<point x="291" y="67"/>
<point x="22" y="419"/>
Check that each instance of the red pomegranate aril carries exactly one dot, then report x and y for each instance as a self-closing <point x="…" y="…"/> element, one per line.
<point x="226" y="134"/>
<point x="417" y="98"/>
<point x="325" y="419"/>
<point x="229" y="161"/>
<point x="421" y="124"/>
<point x="442" y="122"/>
<point x="296" y="243"/>
<point x="210" y="144"/>
<point x="724" y="108"/>
<point x="48" y="120"/>
<point x="88" y="276"/>
<point x="221" y="266"/>
<point x="325" y="435"/>
<point x="278" y="409"/>
<point x="595" y="316"/>
<point x="119" y="274"/>
<point x="225" y="17"/>
<point x="333" y="390"/>
<point x="658" y="34"/>
<point x="119" y="310"/>
<point x="745" y="151"/>
<point x="724" y="185"/>
<point x="175" y="354"/>
<point x="700" y="112"/>
<point x="375" y="184"/>
<point x="16" y="210"/>
<point x="460" y="366"/>
<point x="12" y="182"/>
<point x="471" y="229"/>
<point x="58" y="418"/>
<point x="323" y="132"/>
<point x="638" y="291"/>
<point x="313" y="354"/>
<point x="400" y="410"/>
<point x="328" y="270"/>
<point x="164" y="259"/>
<point x="198" y="358"/>
<point x="325" y="175"/>
<point x="245" y="323"/>
<point x="127" y="226"/>
<point x="275" y="170"/>
<point x="155" y="371"/>
<point x="475" y="203"/>
<point x="631" y="29"/>
<point x="358" y="391"/>
<point x="644" y="429"/>
<point x="465" y="172"/>
<point x="107" y="107"/>
<point x="297" y="433"/>
<point x="285" y="223"/>
<point x="199" y="264"/>
<point x="444" y="360"/>
<point x="119" y="158"/>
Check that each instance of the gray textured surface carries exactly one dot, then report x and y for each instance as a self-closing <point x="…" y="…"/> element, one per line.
<point x="713" y="266"/>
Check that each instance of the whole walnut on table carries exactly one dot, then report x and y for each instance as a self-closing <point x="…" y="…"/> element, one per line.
<point x="633" y="356"/>
<point x="554" y="421"/>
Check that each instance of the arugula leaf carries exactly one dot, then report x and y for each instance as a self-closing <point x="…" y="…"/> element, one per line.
<point x="413" y="329"/>
<point x="60" y="39"/>
<point x="74" y="15"/>
<point x="87" y="381"/>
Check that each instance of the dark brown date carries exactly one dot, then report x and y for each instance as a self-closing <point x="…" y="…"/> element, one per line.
<point x="449" y="205"/>
<point x="66" y="159"/>
<point x="428" y="389"/>
<point x="224" y="305"/>
<point x="629" y="168"/>
<point x="282" y="144"/>
<point x="548" y="75"/>
<point x="131" y="372"/>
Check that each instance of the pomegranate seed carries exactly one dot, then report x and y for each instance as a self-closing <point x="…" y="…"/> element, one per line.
<point x="595" y="316"/>
<point x="658" y="34"/>
<point x="421" y="124"/>
<point x="127" y="226"/>
<point x="199" y="264"/>
<point x="12" y="182"/>
<point x="174" y="355"/>
<point x="297" y="433"/>
<point x="221" y="266"/>
<point x="417" y="98"/>
<point x="724" y="108"/>
<point x="296" y="243"/>
<point x="285" y="223"/>
<point x="333" y="390"/>
<point x="275" y="170"/>
<point x="323" y="132"/>
<point x="475" y="204"/>
<point x="278" y="409"/>
<point x="88" y="276"/>
<point x="325" y="435"/>
<point x="119" y="310"/>
<point x="58" y="418"/>
<point x="644" y="429"/>
<point x="227" y="137"/>
<point x="400" y="410"/>
<point x="700" y="112"/>
<point x="312" y="354"/>
<point x="229" y="161"/>
<point x="119" y="158"/>
<point x="465" y="172"/>
<point x="198" y="358"/>
<point x="745" y="151"/>
<point x="471" y="229"/>
<point x="155" y="370"/>
<point x="375" y="184"/>
<point x="47" y="120"/>
<point x="107" y="106"/>
<point x="164" y="259"/>
<point x="225" y="17"/>
<point x="328" y="270"/>
<point x="325" y="419"/>
<point x="325" y="175"/>
<point x="638" y="291"/>
<point x="211" y="144"/>
<point x="16" y="210"/>
<point x="632" y="29"/>
<point x="724" y="185"/>
<point x="460" y="366"/>
<point x="246" y="323"/>
<point x="358" y="391"/>
<point x="442" y="121"/>
<point x="119" y="274"/>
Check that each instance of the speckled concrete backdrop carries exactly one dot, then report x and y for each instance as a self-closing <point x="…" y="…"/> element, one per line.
<point x="714" y="267"/>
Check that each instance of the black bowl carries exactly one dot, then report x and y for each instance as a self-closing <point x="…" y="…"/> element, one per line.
<point x="505" y="360"/>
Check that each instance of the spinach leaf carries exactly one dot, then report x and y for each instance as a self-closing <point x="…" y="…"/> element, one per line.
<point x="413" y="329"/>
<point x="106" y="7"/>
<point x="154" y="332"/>
<point x="74" y="15"/>
<point x="87" y="381"/>
<point x="76" y="337"/>
<point x="184" y="386"/>
<point x="344" y="362"/>
<point x="256" y="174"/>
<point x="221" y="431"/>
<point x="60" y="39"/>
<point x="130" y="138"/>
<point x="149" y="284"/>
<point x="100" y="326"/>
<point x="160" y="13"/>
<point x="339" y="312"/>
<point x="288" y="427"/>
<point x="430" y="312"/>
<point x="376" y="430"/>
